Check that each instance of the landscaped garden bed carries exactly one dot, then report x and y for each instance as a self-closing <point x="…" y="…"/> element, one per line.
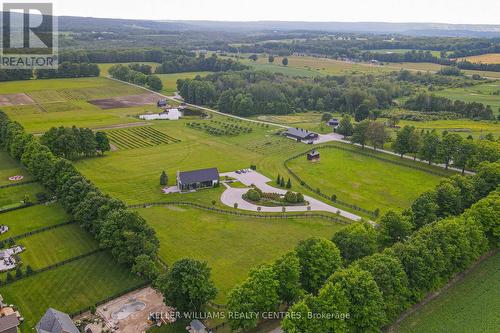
<point x="257" y="197"/>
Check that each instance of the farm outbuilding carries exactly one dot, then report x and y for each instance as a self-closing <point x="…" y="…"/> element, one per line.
<point x="313" y="155"/>
<point x="9" y="323"/>
<point x="196" y="179"/>
<point x="169" y="114"/>
<point x="161" y="103"/>
<point x="300" y="134"/>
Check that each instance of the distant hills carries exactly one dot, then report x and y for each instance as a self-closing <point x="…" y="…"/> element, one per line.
<point x="75" y="23"/>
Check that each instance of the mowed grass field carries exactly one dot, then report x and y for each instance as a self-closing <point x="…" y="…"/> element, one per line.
<point x="487" y="93"/>
<point x="170" y="80"/>
<point x="8" y="168"/>
<point x="471" y="305"/>
<point x="464" y="127"/>
<point x="63" y="102"/>
<point x="362" y="180"/>
<point x="50" y="247"/>
<point x="307" y="120"/>
<point x="231" y="245"/>
<point x="490" y="58"/>
<point x="104" y="67"/>
<point x="32" y="218"/>
<point x="69" y="288"/>
<point x="12" y="196"/>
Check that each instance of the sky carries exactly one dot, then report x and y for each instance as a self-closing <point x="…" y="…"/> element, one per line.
<point x="440" y="11"/>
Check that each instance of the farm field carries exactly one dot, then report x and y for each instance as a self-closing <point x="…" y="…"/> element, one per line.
<point x="104" y="67"/>
<point x="362" y="180"/>
<point x="490" y="58"/>
<point x="434" y="53"/>
<point x="133" y="174"/>
<point x="69" y="288"/>
<point x="52" y="246"/>
<point x="231" y="245"/>
<point x="307" y="120"/>
<point x="170" y="80"/>
<point x="64" y="102"/>
<point x="482" y="93"/>
<point x="32" y="218"/>
<point x="471" y="305"/>
<point x="464" y="127"/>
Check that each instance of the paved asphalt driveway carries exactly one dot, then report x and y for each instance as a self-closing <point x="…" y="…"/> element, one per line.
<point x="234" y="195"/>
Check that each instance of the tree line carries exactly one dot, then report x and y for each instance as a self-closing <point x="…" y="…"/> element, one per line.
<point x="255" y="92"/>
<point x="128" y="74"/>
<point x="450" y="148"/>
<point x="125" y="233"/>
<point x="183" y="63"/>
<point x="431" y="103"/>
<point x="75" y="143"/>
<point x="65" y="70"/>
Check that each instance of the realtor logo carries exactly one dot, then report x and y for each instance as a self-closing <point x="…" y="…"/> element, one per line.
<point x="29" y="36"/>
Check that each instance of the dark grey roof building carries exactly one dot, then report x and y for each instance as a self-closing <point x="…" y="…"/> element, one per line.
<point x="54" y="321"/>
<point x="300" y="134"/>
<point x="333" y="122"/>
<point x="313" y="155"/>
<point x="8" y="324"/>
<point x="191" y="180"/>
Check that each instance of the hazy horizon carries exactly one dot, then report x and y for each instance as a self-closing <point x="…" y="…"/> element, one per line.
<point x="382" y="11"/>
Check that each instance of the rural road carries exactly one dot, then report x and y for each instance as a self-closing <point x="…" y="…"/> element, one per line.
<point x="234" y="195"/>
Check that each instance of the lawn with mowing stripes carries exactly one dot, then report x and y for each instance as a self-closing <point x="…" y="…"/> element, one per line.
<point x="52" y="246"/>
<point x="32" y="218"/>
<point x="362" y="180"/>
<point x="471" y="305"/>
<point x="231" y="245"/>
<point x="69" y="288"/>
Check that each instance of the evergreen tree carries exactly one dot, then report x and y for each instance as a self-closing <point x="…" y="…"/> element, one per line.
<point x="163" y="178"/>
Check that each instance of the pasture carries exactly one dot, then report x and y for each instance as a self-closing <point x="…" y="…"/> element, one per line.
<point x="170" y="80"/>
<point x="362" y="180"/>
<point x="471" y="305"/>
<point x="52" y="246"/>
<point x="487" y="93"/>
<point x="104" y="67"/>
<point x="69" y="288"/>
<point x="12" y="196"/>
<point x="464" y="127"/>
<point x="32" y="218"/>
<point x="306" y="120"/>
<point x="489" y="58"/>
<point x="231" y="245"/>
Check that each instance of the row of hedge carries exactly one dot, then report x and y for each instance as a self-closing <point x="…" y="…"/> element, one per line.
<point x="126" y="234"/>
<point x="24" y="205"/>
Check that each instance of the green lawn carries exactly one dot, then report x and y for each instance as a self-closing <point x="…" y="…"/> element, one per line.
<point x="9" y="167"/>
<point x="52" y="246"/>
<point x="69" y="288"/>
<point x="15" y="194"/>
<point x="481" y="93"/>
<point x="32" y="218"/>
<point x="472" y="305"/>
<point x="362" y="180"/>
<point x="229" y="244"/>
<point x="104" y="67"/>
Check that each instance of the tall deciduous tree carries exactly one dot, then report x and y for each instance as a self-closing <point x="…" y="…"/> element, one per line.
<point x="345" y="126"/>
<point x="319" y="258"/>
<point x="356" y="241"/>
<point x="287" y="269"/>
<point x="360" y="134"/>
<point x="393" y="228"/>
<point x="429" y="148"/>
<point x="448" y="147"/>
<point x="187" y="285"/>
